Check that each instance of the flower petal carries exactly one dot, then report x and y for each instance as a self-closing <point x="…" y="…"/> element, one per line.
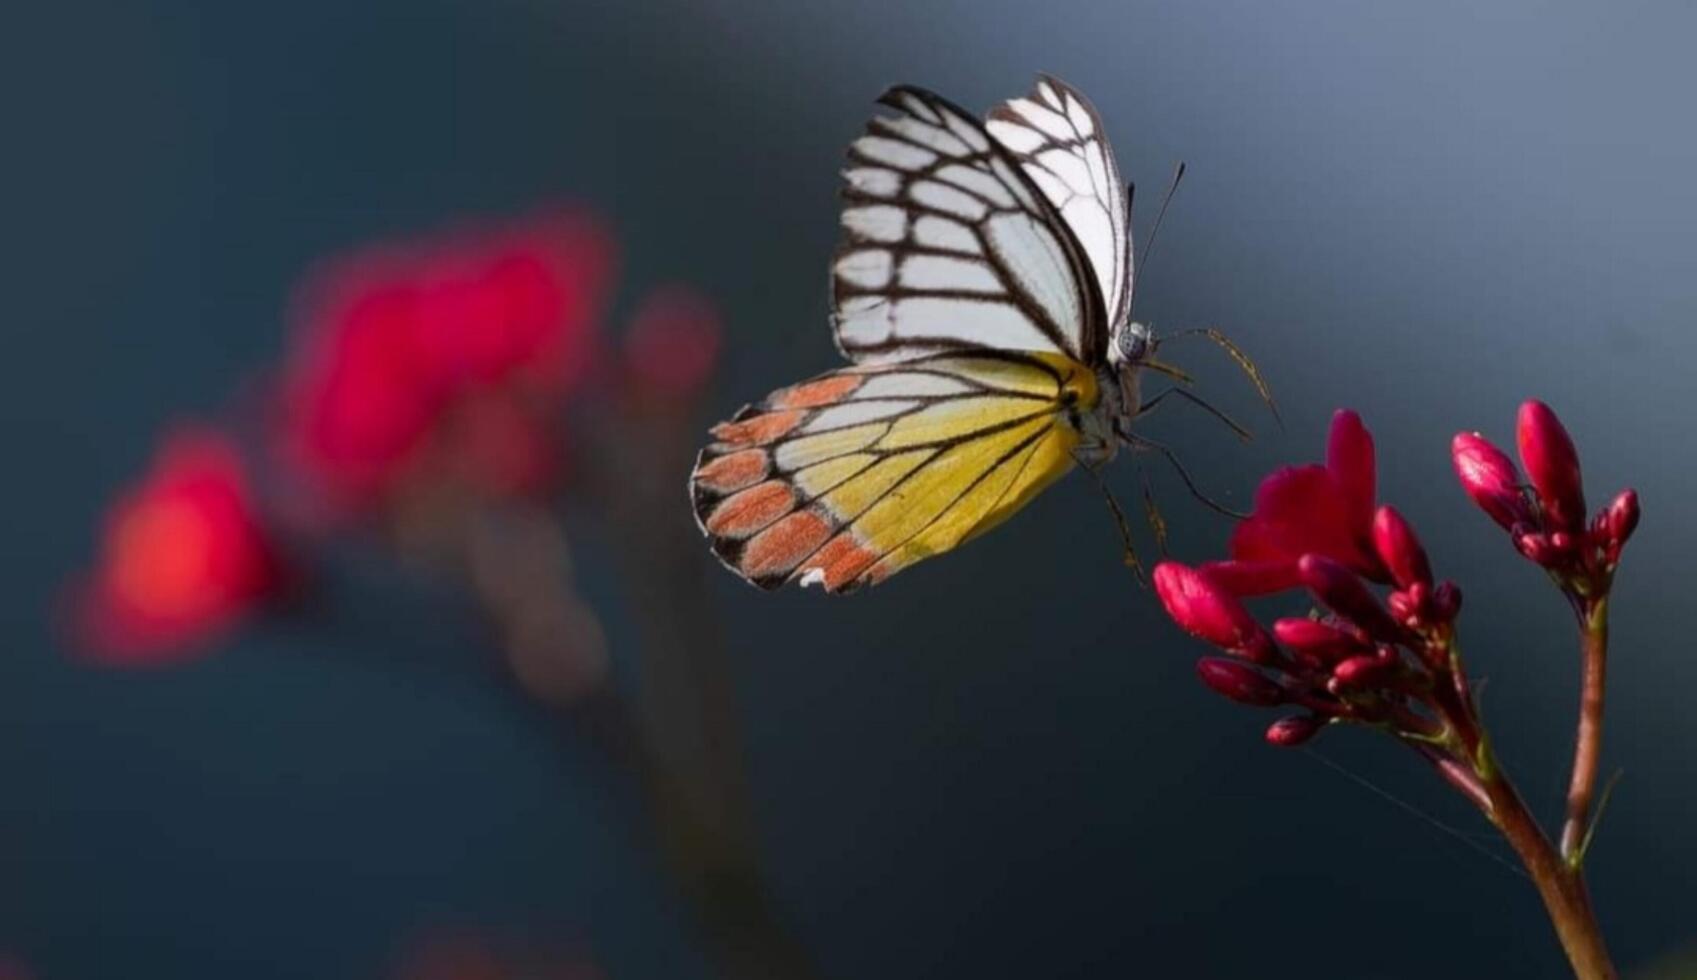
<point x="1301" y="510"/>
<point x="1350" y="461"/>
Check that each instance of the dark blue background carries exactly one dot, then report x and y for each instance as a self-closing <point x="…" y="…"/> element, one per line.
<point x="1000" y="764"/>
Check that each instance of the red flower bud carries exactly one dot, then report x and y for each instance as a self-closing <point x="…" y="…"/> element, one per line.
<point x="1552" y="464"/>
<point x="1489" y="477"/>
<point x="1540" y="549"/>
<point x="1620" y="519"/>
<point x="1295" y="730"/>
<point x="1322" y="641"/>
<point x="1204" y="609"/>
<point x="1251" y="578"/>
<point x="1446" y="601"/>
<point x="1399" y="549"/>
<point x="1359" y="671"/>
<point x="1344" y="594"/>
<point x="1239" y="681"/>
<point x="1404" y="606"/>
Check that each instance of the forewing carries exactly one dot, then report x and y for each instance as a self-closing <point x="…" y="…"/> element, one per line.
<point x="1058" y="140"/>
<point x="947" y="245"/>
<point x="848" y="478"/>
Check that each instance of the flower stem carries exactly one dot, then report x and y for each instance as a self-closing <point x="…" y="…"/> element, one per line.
<point x="1560" y="883"/>
<point x="1582" y="788"/>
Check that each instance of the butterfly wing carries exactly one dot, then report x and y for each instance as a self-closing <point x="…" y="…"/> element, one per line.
<point x="948" y="245"/>
<point x="1057" y="138"/>
<point x="848" y="478"/>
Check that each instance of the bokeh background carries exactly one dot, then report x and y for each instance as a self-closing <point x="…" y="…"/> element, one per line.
<point x="999" y="764"/>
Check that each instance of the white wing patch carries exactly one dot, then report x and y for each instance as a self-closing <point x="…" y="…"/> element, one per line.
<point x="882" y="223"/>
<point x="947" y="245"/>
<point x="931" y="231"/>
<point x="868" y="267"/>
<point x="874" y="181"/>
<point x="1057" y="138"/>
<point x="940" y="273"/>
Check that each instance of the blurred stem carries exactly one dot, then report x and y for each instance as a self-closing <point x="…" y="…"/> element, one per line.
<point x="685" y="715"/>
<point x="1587" y="750"/>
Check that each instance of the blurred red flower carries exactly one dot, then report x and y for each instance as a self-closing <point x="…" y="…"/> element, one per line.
<point x="392" y="341"/>
<point x="673" y="341"/>
<point x="182" y="557"/>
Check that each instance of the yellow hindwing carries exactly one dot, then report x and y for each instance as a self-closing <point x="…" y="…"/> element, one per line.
<point x="848" y="478"/>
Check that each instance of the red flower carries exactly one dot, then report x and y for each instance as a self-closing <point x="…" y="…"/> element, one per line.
<point x="394" y="340"/>
<point x="518" y="305"/>
<point x="358" y="402"/>
<point x="183" y="556"/>
<point x="1323" y="510"/>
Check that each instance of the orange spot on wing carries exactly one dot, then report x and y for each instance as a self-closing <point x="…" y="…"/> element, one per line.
<point x="825" y="391"/>
<point x="749" y="510"/>
<point x="757" y="431"/>
<point x="841" y="559"/>
<point x="782" y="546"/>
<point x="733" y="472"/>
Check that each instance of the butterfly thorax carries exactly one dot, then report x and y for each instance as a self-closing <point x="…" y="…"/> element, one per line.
<point x="1109" y="424"/>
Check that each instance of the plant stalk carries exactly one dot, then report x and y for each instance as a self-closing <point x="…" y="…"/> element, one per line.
<point x="1560" y="883"/>
<point x="1588" y="741"/>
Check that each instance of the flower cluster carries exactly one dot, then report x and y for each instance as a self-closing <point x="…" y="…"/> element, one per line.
<point x="1546" y="520"/>
<point x="1385" y="661"/>
<point x="425" y="393"/>
<point x="1387" y="657"/>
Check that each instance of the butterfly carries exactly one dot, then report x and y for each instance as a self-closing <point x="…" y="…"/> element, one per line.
<point x="981" y="293"/>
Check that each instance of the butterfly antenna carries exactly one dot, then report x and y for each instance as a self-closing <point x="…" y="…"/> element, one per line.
<point x="1149" y="243"/>
<point x="1120" y="521"/>
<point x="1238" y="356"/>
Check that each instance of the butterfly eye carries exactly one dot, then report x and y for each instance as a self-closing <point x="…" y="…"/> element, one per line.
<point x="1133" y="343"/>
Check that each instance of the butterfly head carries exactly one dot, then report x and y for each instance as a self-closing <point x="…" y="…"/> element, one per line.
<point x="1133" y="343"/>
<point x="1130" y="349"/>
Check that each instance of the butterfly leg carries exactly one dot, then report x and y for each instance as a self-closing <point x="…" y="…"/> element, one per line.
<point x="1142" y="442"/>
<point x="1200" y="402"/>
<point x="1130" y="554"/>
<point x="1152" y="514"/>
